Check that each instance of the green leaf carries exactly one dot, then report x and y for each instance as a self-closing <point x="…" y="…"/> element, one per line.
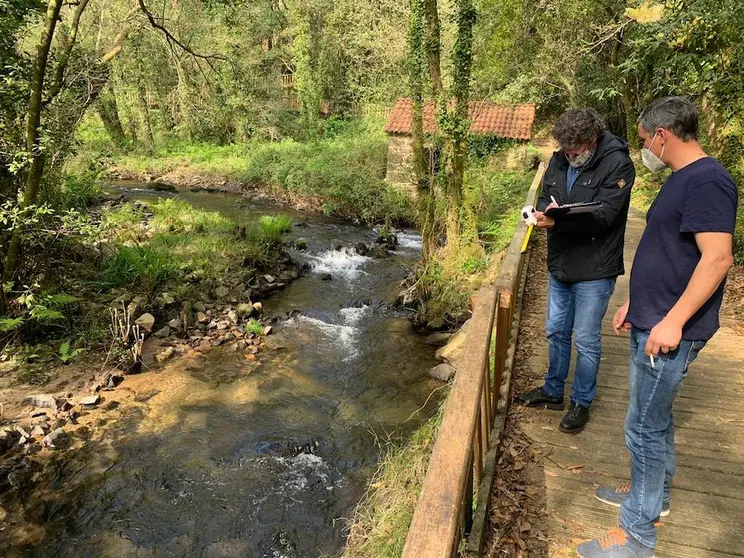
<point x="10" y="324"/>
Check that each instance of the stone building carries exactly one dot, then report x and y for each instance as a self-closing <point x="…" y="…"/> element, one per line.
<point x="486" y="118"/>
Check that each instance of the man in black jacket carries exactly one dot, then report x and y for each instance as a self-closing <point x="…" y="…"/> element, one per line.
<point x="585" y="255"/>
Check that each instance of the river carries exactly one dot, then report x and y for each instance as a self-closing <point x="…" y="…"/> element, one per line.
<point x="222" y="457"/>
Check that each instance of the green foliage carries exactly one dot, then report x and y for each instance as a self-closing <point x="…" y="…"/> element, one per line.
<point x="34" y="308"/>
<point x="344" y="174"/>
<point x="9" y="325"/>
<point x="137" y="265"/>
<point x="253" y="327"/>
<point x="67" y="353"/>
<point x="272" y="228"/>
<point x="77" y="191"/>
<point x="444" y="295"/>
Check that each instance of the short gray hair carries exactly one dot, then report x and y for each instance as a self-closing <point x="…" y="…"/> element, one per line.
<point x="578" y="126"/>
<point x="676" y="114"/>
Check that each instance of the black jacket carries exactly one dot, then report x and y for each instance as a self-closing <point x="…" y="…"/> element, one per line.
<point x="590" y="246"/>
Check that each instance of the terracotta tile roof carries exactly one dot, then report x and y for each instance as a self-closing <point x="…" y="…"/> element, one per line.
<point x="514" y="122"/>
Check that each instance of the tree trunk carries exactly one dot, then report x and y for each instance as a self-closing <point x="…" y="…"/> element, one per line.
<point x="458" y="213"/>
<point x="108" y="110"/>
<point x="146" y="126"/>
<point x="432" y="46"/>
<point x="33" y="124"/>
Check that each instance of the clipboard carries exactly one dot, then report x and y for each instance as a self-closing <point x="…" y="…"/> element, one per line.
<point x="574" y="209"/>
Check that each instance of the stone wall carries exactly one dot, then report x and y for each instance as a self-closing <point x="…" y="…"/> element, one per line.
<point x="400" y="163"/>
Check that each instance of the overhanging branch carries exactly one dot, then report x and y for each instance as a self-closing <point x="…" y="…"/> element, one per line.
<point x="208" y="58"/>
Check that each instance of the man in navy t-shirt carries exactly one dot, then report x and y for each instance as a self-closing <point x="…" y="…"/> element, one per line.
<point x="676" y="289"/>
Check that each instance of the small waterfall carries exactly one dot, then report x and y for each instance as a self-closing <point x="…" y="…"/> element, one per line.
<point x="339" y="263"/>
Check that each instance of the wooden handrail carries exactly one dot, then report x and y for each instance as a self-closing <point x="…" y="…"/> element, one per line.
<point x="444" y="511"/>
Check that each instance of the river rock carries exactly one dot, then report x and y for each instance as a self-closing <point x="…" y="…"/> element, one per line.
<point x="266" y="330"/>
<point x="223" y="325"/>
<point x="146" y="322"/>
<point x="438" y="339"/>
<point x="205" y="346"/>
<point x="187" y="315"/>
<point x="452" y="351"/>
<point x="361" y="248"/>
<point x="54" y="437"/>
<point x="326" y="277"/>
<point x="301" y="244"/>
<point x="7" y="440"/>
<point x="175" y="324"/>
<point x="167" y="299"/>
<point x="232" y="315"/>
<point x="244" y="310"/>
<point x="112" y="380"/>
<point x="200" y="307"/>
<point x="38" y="432"/>
<point x="163" y="333"/>
<point x="258" y="307"/>
<point x="132" y="309"/>
<point x="221" y="292"/>
<point x="126" y="298"/>
<point x="442" y="372"/>
<point x="270" y="278"/>
<point x="42" y="400"/>
<point x="202" y="318"/>
<point x="379" y="251"/>
<point x="165" y="355"/>
<point x="90" y="401"/>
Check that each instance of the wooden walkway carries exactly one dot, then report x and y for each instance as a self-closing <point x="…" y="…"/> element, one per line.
<point x="707" y="505"/>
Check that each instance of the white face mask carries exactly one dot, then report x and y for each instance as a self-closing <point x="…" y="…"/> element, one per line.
<point x="652" y="161"/>
<point x="580" y="160"/>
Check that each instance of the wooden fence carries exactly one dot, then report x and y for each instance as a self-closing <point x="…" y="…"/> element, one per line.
<point x="453" y="506"/>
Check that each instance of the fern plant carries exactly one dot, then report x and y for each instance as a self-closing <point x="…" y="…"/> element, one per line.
<point x="67" y="353"/>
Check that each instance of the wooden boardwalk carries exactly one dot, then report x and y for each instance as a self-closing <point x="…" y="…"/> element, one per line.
<point x="707" y="504"/>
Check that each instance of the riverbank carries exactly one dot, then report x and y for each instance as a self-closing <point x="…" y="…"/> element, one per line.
<point x="297" y="421"/>
<point x="341" y="174"/>
<point x="125" y="273"/>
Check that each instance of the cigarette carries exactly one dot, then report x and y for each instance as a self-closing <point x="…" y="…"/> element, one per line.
<point x="652" y="361"/>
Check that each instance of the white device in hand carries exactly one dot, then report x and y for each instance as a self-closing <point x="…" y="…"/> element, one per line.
<point x="528" y="214"/>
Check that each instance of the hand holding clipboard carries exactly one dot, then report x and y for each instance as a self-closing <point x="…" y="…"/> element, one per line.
<point x="573" y="209"/>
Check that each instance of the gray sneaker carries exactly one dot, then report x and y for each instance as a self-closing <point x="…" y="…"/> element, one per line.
<point x="616" y="496"/>
<point x="614" y="544"/>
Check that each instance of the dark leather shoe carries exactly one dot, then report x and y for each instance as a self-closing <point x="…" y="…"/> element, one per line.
<point x="538" y="398"/>
<point x="575" y="419"/>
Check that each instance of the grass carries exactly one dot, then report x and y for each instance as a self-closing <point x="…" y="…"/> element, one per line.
<point x="341" y="173"/>
<point x="382" y="519"/>
<point x="180" y="238"/>
<point x="254" y="327"/>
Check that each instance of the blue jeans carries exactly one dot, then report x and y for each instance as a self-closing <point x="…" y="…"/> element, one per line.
<point x="576" y="308"/>
<point x="649" y="432"/>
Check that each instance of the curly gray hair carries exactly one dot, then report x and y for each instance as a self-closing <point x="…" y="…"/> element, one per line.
<point x="577" y="127"/>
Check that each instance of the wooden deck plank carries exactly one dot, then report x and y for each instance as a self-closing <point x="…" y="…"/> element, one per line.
<point x="708" y="489"/>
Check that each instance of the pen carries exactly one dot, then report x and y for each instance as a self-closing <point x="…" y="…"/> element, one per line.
<point x="553" y="200"/>
<point x="652" y="361"/>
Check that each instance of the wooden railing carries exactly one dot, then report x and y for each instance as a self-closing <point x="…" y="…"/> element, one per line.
<point x="463" y="460"/>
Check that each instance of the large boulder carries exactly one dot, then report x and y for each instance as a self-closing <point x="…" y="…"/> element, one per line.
<point x="452" y="351"/>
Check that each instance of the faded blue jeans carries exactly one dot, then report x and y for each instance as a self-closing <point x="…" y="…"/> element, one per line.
<point x="649" y="432"/>
<point x="576" y="309"/>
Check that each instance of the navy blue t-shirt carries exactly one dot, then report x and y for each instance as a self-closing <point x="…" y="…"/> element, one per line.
<point x="700" y="197"/>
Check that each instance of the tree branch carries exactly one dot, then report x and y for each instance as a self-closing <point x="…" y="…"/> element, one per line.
<point x="208" y="58"/>
<point x="64" y="59"/>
